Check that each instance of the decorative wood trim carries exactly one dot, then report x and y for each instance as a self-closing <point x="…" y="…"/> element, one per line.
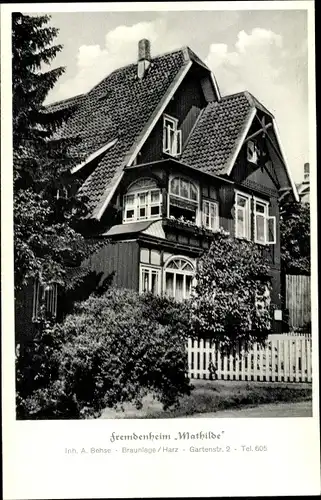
<point x="254" y="186"/>
<point x="285" y="162"/>
<point x="240" y="142"/>
<point x="94" y="155"/>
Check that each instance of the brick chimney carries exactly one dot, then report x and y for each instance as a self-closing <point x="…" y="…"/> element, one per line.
<point x="143" y="57"/>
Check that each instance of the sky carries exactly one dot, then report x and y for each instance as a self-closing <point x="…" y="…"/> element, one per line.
<point x="262" y="51"/>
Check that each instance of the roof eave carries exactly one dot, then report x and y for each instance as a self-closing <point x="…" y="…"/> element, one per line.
<point x="94" y="155"/>
<point x="130" y="157"/>
<point x="169" y="161"/>
<point x="286" y="165"/>
<point x="242" y="136"/>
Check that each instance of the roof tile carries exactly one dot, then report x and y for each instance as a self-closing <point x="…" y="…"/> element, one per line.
<point x="212" y="141"/>
<point x="119" y="106"/>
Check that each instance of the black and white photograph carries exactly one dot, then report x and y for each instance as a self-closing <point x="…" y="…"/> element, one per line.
<point x="162" y="221"/>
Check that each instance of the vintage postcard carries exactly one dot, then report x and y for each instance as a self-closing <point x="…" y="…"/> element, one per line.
<point x="160" y="307"/>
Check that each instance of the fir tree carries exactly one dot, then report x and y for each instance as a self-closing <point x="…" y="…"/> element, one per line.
<point x="47" y="226"/>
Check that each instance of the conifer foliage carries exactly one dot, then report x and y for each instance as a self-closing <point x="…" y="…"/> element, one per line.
<point x="46" y="209"/>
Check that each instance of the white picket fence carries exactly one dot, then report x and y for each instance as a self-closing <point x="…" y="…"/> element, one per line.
<point x="284" y="358"/>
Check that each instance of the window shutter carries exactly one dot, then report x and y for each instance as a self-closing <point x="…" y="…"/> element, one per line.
<point x="216" y="217"/>
<point x="165" y="138"/>
<point x="271" y="230"/>
<point x="178" y="141"/>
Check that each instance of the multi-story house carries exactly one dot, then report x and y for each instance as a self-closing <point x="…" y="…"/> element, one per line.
<point x="169" y="162"/>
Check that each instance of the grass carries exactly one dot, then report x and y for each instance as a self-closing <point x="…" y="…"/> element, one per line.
<point x="213" y="396"/>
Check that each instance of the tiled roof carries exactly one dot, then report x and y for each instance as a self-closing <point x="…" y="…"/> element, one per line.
<point x="119" y="107"/>
<point x="216" y="133"/>
<point x="66" y="103"/>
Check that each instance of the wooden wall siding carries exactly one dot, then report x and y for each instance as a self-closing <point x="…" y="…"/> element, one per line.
<point x="226" y="200"/>
<point x="121" y="258"/>
<point x="186" y="107"/>
<point x="207" y="87"/>
<point x="276" y="286"/>
<point x="281" y="172"/>
<point x="189" y="239"/>
<point x="287" y="359"/>
<point x="156" y="230"/>
<point x="260" y="177"/>
<point x="251" y="175"/>
<point x="298" y="300"/>
<point x="187" y="104"/>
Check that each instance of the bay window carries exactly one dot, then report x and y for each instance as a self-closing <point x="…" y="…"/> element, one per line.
<point x="183" y="199"/>
<point x="142" y="201"/>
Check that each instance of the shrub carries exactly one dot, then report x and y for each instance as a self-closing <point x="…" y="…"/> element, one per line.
<point x="230" y="277"/>
<point x="113" y="349"/>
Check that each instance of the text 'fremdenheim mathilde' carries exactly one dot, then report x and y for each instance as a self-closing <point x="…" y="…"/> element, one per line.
<point x="160" y="436"/>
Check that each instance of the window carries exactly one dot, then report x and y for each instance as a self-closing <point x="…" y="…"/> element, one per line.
<point x="178" y="278"/>
<point x="210" y="215"/>
<point x="242" y="216"/>
<point x="46" y="296"/>
<point x="306" y="175"/>
<point x="172" y="137"/>
<point x="142" y="201"/>
<point x="150" y="256"/>
<point x="183" y="199"/>
<point x="252" y="152"/>
<point x="150" y="280"/>
<point x="264" y="224"/>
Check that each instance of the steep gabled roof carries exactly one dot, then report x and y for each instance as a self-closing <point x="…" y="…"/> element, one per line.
<point x="213" y="140"/>
<point x="220" y="132"/>
<point x="66" y="103"/>
<point x="121" y="107"/>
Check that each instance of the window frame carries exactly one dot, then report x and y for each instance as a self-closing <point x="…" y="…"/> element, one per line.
<point x="150" y="269"/>
<point x="216" y="217"/>
<point x="180" y="272"/>
<point x="171" y="124"/>
<point x="247" y="219"/>
<point x="267" y="218"/>
<point x="147" y="205"/>
<point x="190" y="200"/>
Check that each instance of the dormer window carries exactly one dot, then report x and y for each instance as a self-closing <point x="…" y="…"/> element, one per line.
<point x="252" y="152"/>
<point x="142" y="201"/>
<point x="172" y="137"/>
